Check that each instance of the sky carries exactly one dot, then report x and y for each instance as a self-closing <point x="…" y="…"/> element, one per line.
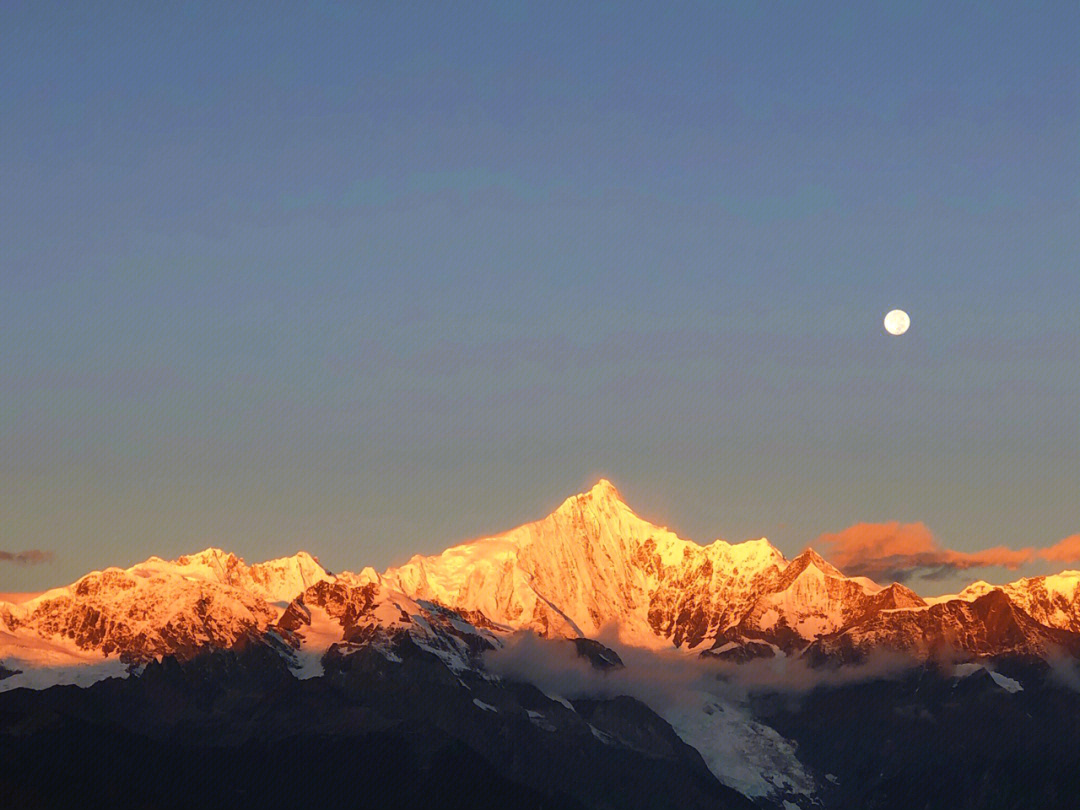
<point x="372" y="279"/>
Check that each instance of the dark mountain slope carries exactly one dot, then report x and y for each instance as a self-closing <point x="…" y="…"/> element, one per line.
<point x="235" y="729"/>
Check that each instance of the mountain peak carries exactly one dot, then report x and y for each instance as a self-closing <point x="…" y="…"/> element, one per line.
<point x="602" y="496"/>
<point x="810" y="557"/>
<point x="603" y="490"/>
<point x="976" y="589"/>
<point x="300" y="558"/>
<point x="211" y="553"/>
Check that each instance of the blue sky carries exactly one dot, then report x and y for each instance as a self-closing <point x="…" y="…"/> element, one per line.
<point x="370" y="279"/>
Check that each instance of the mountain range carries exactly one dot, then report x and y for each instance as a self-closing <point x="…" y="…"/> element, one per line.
<point x="669" y="651"/>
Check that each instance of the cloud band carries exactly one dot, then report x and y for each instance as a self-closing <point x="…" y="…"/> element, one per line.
<point x="899" y="551"/>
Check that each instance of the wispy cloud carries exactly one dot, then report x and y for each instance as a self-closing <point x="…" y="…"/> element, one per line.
<point x="899" y="551"/>
<point x="29" y="557"/>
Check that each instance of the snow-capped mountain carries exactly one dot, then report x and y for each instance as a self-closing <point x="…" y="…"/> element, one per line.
<point x="990" y="626"/>
<point x="1053" y="600"/>
<point x="809" y="599"/>
<point x="421" y="635"/>
<point x="592" y="564"/>
<point x="207" y="600"/>
<point x="347" y="614"/>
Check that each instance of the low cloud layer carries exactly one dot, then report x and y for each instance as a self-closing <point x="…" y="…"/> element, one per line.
<point x="29" y="557"/>
<point x="708" y="703"/>
<point x="900" y="551"/>
<point x="663" y="679"/>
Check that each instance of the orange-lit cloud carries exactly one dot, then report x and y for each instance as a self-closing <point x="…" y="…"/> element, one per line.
<point x="29" y="557"/>
<point x="899" y="551"/>
<point x="1067" y="550"/>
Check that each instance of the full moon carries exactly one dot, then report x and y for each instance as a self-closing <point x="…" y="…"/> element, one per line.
<point x="897" y="322"/>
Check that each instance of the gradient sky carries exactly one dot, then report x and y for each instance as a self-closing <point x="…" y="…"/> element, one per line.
<point x="369" y="279"/>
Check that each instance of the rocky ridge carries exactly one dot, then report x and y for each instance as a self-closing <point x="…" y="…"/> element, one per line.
<point x="591" y="567"/>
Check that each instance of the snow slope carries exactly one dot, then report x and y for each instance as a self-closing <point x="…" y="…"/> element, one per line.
<point x="744" y="754"/>
<point x="39" y="663"/>
<point x="347" y="614"/>
<point x="155" y="608"/>
<point x="594" y="563"/>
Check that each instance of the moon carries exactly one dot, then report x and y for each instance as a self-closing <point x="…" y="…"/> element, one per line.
<point x="897" y="322"/>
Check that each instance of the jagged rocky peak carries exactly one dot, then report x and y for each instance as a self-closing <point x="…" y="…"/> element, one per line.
<point x="976" y="589"/>
<point x="991" y="626"/>
<point x="758" y="553"/>
<point x="808" y="599"/>
<point x="594" y="562"/>
<point x="566" y="574"/>
<point x="809" y="558"/>
<point x="207" y="599"/>
<point x="603" y="491"/>
<point x="598" y="516"/>
<point x="208" y="556"/>
<point x="590" y="566"/>
<point x="277" y="581"/>
<point x="366" y="576"/>
<point x="338" y="617"/>
<point x="899" y="596"/>
<point x="282" y="579"/>
<point x="143" y="612"/>
<point x="601" y="503"/>
<point x="1051" y="599"/>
